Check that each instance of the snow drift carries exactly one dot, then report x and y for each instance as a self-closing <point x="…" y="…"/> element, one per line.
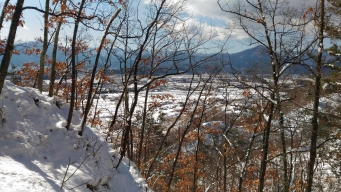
<point x="39" y="154"/>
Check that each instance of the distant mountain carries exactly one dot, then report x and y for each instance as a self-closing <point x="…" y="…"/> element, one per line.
<point x="249" y="57"/>
<point x="18" y="60"/>
<point x="258" y="60"/>
<point x="255" y="58"/>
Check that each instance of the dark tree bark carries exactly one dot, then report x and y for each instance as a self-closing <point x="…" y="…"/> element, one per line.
<point x="318" y="76"/>
<point x="10" y="42"/>
<point x="3" y="13"/>
<point x="89" y="98"/>
<point x="73" y="64"/>
<point x="265" y="149"/>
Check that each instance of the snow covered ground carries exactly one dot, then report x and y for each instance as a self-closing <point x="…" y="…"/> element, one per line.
<point x="38" y="154"/>
<point x="170" y="107"/>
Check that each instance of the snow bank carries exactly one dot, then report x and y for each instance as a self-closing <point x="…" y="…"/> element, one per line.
<point x="39" y="154"/>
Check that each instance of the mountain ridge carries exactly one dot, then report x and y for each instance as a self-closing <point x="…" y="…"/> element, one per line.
<point x="252" y="58"/>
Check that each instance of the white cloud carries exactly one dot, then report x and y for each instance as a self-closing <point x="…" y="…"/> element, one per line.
<point x="208" y="12"/>
<point x="208" y="30"/>
<point x="206" y="8"/>
<point x="25" y="27"/>
<point x="208" y="15"/>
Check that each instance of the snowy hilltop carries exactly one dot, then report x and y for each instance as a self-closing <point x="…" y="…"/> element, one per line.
<point x="38" y="154"/>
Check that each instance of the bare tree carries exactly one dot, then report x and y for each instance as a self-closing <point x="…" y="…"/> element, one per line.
<point x="10" y="42"/>
<point x="274" y="26"/>
<point x="73" y="63"/>
<point x="162" y="18"/>
<point x="317" y="95"/>
<point x="45" y="46"/>
<point x="54" y="59"/>
<point x="94" y="70"/>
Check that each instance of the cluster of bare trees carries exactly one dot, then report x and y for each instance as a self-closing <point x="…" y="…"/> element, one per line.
<point x="276" y="142"/>
<point x="290" y="36"/>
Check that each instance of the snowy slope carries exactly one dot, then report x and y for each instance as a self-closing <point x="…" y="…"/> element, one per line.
<point x="37" y="153"/>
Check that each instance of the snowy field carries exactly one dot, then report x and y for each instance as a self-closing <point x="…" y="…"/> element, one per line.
<point x="170" y="107"/>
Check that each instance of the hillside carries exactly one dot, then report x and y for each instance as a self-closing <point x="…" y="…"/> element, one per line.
<point x="39" y="154"/>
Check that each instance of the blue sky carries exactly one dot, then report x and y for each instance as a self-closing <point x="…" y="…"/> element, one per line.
<point x="205" y="12"/>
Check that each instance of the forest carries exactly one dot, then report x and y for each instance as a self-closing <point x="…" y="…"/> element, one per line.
<point x="272" y="124"/>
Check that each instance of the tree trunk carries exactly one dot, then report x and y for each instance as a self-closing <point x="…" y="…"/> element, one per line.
<point x="3" y="13"/>
<point x="10" y="42"/>
<point x="284" y="159"/>
<point x="73" y="63"/>
<point x="275" y="65"/>
<point x="89" y="98"/>
<point x="196" y="164"/>
<point x="265" y="148"/>
<point x="314" y="121"/>
<point x="247" y="157"/>
<point x="225" y="171"/>
<point x="54" y="59"/>
<point x="145" y="107"/>
<point x="143" y="127"/>
<point x="44" y="48"/>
